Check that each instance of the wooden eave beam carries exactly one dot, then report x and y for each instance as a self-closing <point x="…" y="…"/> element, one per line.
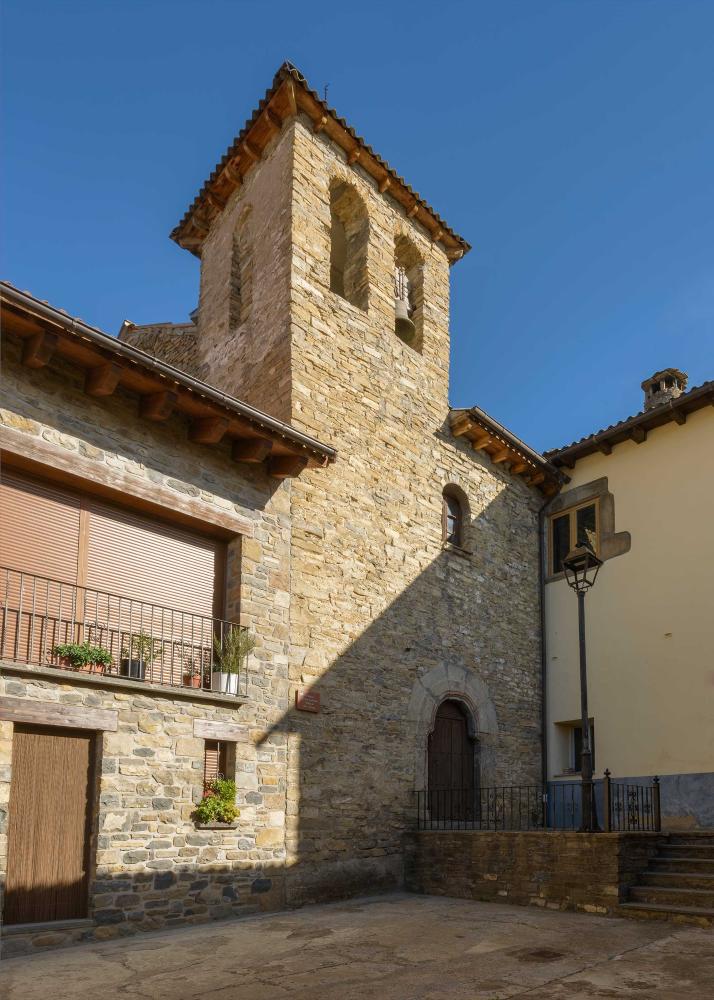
<point x="273" y="121"/>
<point x="286" y="466"/>
<point x="158" y="406"/>
<point x="638" y="434"/>
<point x="253" y="450"/>
<point x="103" y="380"/>
<point x="482" y="439"/>
<point x="536" y="479"/>
<point x="290" y="98"/>
<point x="603" y="446"/>
<point x="208" y="430"/>
<point x="679" y="417"/>
<point x="502" y="455"/>
<point x="38" y="349"/>
<point x="461" y="424"/>
<point x="518" y="467"/>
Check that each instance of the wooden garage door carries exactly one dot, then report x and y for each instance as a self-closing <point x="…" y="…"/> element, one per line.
<point x="49" y="822"/>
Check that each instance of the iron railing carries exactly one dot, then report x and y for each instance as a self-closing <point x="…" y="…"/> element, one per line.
<point x="619" y="807"/>
<point x="502" y="807"/>
<point x="629" y="807"/>
<point x="146" y="642"/>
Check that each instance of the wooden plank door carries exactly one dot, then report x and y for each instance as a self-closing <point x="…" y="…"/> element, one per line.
<point x="48" y="836"/>
<point x="451" y="765"/>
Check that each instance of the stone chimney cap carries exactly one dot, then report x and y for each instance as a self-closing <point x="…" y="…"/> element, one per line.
<point x="681" y="377"/>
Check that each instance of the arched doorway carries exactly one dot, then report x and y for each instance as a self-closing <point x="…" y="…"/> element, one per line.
<point x="452" y="763"/>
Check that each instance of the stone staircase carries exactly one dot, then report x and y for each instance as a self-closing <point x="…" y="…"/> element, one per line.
<point x="678" y="884"/>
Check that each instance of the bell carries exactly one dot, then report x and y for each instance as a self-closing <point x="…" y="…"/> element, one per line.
<point x="403" y="326"/>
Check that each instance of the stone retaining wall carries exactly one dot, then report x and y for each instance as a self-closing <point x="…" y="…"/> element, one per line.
<point x="553" y="869"/>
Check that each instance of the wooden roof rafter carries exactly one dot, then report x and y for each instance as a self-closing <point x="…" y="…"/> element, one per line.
<point x="490" y="438"/>
<point x="108" y="364"/>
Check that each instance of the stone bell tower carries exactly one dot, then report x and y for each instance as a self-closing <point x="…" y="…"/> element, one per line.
<point x="324" y="277"/>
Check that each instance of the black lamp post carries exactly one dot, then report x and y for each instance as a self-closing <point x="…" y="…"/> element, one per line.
<point x="581" y="567"/>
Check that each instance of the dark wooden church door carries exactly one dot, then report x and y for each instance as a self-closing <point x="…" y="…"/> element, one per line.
<point x="452" y="774"/>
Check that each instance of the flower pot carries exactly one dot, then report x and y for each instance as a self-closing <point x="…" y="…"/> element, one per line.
<point x="192" y="680"/>
<point x="64" y="664"/>
<point x="225" y="683"/>
<point x="92" y="668"/>
<point x="134" y="669"/>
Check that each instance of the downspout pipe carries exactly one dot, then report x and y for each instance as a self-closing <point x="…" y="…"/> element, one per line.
<point x="542" y="555"/>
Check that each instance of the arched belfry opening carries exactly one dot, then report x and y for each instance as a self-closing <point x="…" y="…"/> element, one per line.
<point x="349" y="236"/>
<point x="453" y="776"/>
<point x="408" y="293"/>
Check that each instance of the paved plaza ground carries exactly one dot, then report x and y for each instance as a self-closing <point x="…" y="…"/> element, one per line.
<point x="398" y="947"/>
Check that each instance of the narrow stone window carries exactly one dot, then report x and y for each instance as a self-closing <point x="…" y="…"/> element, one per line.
<point x="408" y="294"/>
<point x="453" y="516"/>
<point x="349" y="234"/>
<point x="241" y="277"/>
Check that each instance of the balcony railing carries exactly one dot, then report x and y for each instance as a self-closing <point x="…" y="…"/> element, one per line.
<point x="144" y="642"/>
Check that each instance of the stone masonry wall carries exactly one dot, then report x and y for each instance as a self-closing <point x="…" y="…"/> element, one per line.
<point x="382" y="613"/>
<point x="557" y="870"/>
<point x="153" y="867"/>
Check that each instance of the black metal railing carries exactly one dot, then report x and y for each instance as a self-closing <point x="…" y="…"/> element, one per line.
<point x="502" y="807"/>
<point x="629" y="807"/>
<point x="619" y="806"/>
<point x="142" y="641"/>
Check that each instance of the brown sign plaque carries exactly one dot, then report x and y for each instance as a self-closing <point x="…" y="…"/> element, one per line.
<point x="307" y="701"/>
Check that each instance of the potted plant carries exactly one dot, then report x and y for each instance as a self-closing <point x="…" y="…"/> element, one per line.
<point x="193" y="674"/>
<point x="83" y="656"/>
<point x="140" y="650"/>
<point x="217" y="808"/>
<point x="230" y="653"/>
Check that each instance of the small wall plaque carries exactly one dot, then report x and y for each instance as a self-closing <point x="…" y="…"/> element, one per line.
<point x="307" y="701"/>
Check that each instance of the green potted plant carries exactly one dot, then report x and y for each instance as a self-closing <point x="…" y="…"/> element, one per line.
<point x="230" y="654"/>
<point x="192" y="674"/>
<point x="140" y="650"/>
<point x="83" y="656"/>
<point x="217" y="808"/>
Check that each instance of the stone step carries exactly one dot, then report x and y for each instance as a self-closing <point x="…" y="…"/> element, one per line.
<point x="672" y="896"/>
<point x="680" y="879"/>
<point x="690" y="840"/>
<point x="691" y="850"/>
<point x="661" y="911"/>
<point x="663" y="862"/>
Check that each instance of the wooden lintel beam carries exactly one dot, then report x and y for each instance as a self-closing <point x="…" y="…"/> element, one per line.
<point x="383" y="185"/>
<point x="605" y="447"/>
<point x="38" y="349"/>
<point x="208" y="430"/>
<point x="679" y="417"/>
<point x="482" y="439"/>
<point x="638" y="434"/>
<point x="461" y="425"/>
<point x="251" y="449"/>
<point x="502" y="455"/>
<point x="102" y="380"/>
<point x="158" y="406"/>
<point x="319" y="124"/>
<point x="285" y="466"/>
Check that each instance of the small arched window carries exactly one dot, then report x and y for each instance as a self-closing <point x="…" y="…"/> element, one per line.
<point x="453" y="507"/>
<point x="349" y="235"/>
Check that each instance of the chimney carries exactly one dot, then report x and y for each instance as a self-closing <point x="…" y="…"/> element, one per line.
<point x="663" y="387"/>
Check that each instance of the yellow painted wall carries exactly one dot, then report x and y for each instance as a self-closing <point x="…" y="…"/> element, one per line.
<point x="650" y="617"/>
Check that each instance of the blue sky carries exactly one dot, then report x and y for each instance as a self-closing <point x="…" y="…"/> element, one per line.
<point x="571" y="142"/>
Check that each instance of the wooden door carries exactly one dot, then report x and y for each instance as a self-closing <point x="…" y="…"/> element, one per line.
<point x="49" y="822"/>
<point x="452" y="777"/>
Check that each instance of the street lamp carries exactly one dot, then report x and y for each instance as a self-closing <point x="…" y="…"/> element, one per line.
<point x="581" y="567"/>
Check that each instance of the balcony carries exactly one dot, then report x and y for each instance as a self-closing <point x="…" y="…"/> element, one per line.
<point x="118" y="637"/>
